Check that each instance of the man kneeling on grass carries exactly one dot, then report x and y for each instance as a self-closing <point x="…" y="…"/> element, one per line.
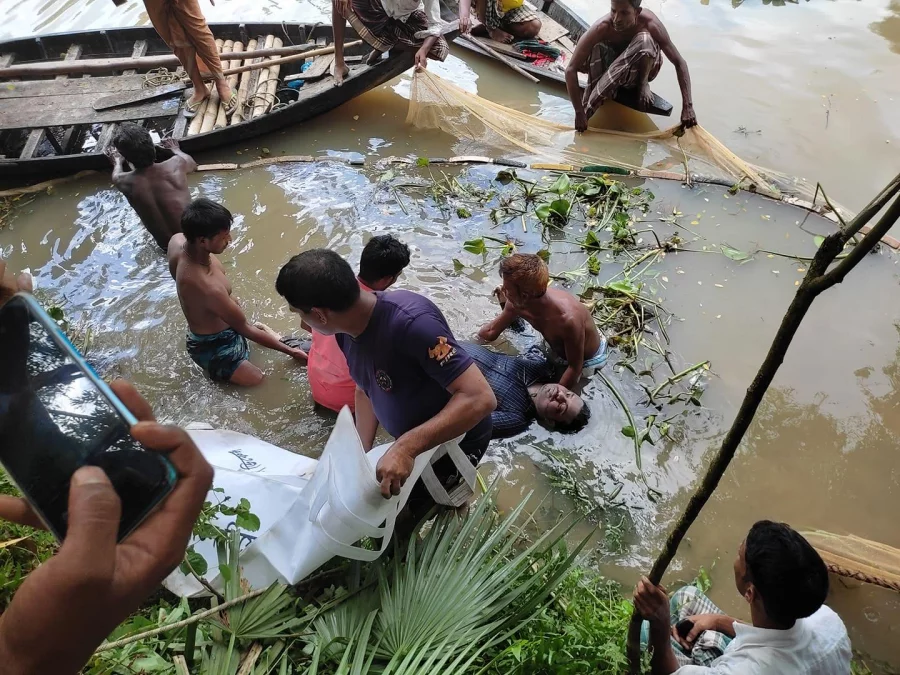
<point x="785" y="582"/>
<point x="219" y="330"/>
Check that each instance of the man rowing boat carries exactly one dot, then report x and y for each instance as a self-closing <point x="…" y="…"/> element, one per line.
<point x="623" y="51"/>
<point x="386" y="24"/>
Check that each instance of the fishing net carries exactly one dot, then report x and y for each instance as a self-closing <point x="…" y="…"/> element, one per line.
<point x="857" y="558"/>
<point x="695" y="155"/>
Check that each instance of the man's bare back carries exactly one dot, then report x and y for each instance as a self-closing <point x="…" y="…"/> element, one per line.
<point x="556" y="316"/>
<point x="158" y="193"/>
<point x="196" y="283"/>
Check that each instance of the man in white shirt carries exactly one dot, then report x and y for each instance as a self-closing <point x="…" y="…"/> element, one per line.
<point x="386" y="24"/>
<point x="785" y="582"/>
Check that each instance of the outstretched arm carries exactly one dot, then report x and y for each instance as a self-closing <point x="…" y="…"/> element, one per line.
<point x="224" y="306"/>
<point x="659" y="33"/>
<point x="118" y="173"/>
<point x="574" y="356"/>
<point x="577" y="64"/>
<point x="491" y="331"/>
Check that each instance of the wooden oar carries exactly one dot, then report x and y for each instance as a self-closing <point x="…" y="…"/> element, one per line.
<point x="100" y="66"/>
<point x="502" y="59"/>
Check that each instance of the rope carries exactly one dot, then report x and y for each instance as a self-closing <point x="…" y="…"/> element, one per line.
<point x="860" y="576"/>
<point x="251" y="102"/>
<point x="194" y="618"/>
<point x="159" y="77"/>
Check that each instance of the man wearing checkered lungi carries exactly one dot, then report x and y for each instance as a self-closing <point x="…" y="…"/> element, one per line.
<point x="623" y="50"/>
<point x="502" y="20"/>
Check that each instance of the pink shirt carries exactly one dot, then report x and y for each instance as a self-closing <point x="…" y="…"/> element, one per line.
<point x="329" y="376"/>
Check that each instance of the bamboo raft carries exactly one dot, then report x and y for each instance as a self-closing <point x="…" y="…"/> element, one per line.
<point x="62" y="96"/>
<point x="561" y="28"/>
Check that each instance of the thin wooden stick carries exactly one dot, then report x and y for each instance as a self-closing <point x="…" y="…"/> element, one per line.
<point x="817" y="280"/>
<point x="502" y="59"/>
<point x="291" y="59"/>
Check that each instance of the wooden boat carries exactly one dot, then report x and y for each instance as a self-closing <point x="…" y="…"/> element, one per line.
<point x="561" y="28"/>
<point x="52" y="86"/>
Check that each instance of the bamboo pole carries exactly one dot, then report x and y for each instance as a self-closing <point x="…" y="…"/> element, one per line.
<point x="212" y="106"/>
<point x="221" y="117"/>
<point x="238" y="115"/>
<point x="818" y="279"/>
<point x="258" y="96"/>
<point x="290" y="59"/>
<point x="267" y="90"/>
<point x="499" y="57"/>
<point x="108" y="66"/>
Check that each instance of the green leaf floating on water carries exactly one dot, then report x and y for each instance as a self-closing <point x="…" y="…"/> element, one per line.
<point x="544" y="254"/>
<point x="593" y="265"/>
<point x="561" y="185"/>
<point x="457" y="265"/>
<point x="463" y="212"/>
<point x="561" y="208"/>
<point x="422" y="161"/>
<point x="543" y="212"/>
<point x="818" y="240"/>
<point x="736" y="254"/>
<point x="56" y="313"/>
<point x="624" y="287"/>
<point x="506" y="176"/>
<point x="475" y="246"/>
<point x="628" y="431"/>
<point x="590" y="242"/>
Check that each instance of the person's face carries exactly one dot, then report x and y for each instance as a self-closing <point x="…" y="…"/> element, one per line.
<point x="555" y="403"/>
<point x="622" y="14"/>
<point x="218" y="243"/>
<point x="740" y="570"/>
<point x="316" y="319"/>
<point x="513" y="294"/>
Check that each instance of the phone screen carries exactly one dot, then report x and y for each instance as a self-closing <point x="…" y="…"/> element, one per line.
<point x="56" y="416"/>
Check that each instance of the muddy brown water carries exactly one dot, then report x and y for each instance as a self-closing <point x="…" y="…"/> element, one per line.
<point x="818" y="82"/>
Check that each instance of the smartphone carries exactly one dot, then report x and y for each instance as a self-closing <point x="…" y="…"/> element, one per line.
<point x="684" y="628"/>
<point x="57" y="415"/>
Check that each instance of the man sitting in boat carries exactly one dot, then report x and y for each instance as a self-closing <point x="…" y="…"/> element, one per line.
<point x="785" y="582"/>
<point x="157" y="191"/>
<point x="622" y="52"/>
<point x="412" y="377"/>
<point x="501" y="20"/>
<point x="525" y="391"/>
<point x="565" y="323"/>
<point x="382" y="261"/>
<point x="386" y="24"/>
<point x="182" y="26"/>
<point x="218" y="328"/>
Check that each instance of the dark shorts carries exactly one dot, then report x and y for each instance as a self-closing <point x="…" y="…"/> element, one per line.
<point x="219" y="354"/>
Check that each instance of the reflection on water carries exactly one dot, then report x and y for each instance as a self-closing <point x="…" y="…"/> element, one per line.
<point x="817" y="456"/>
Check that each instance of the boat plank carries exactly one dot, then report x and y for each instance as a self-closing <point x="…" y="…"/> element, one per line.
<point x="27" y="113"/>
<point x="131" y="97"/>
<point x="71" y="86"/>
<point x="109" y="130"/>
<point x="36" y="137"/>
<point x="551" y="30"/>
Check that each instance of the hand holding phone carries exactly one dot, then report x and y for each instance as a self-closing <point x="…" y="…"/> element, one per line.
<point x="94" y="583"/>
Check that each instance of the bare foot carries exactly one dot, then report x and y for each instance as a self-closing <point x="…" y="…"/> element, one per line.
<point x="224" y="90"/>
<point x="374" y="57"/>
<point x="266" y="329"/>
<point x="339" y="73"/>
<point x="500" y="35"/>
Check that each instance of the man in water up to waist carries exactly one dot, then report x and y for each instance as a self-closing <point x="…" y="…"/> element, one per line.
<point x="412" y="377"/>
<point x="563" y="320"/>
<point x="622" y="51"/>
<point x="219" y="330"/>
<point x="383" y="259"/>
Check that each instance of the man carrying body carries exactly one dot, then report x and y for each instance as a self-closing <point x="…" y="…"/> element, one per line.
<point x="219" y="330"/>
<point x="622" y="51"/>
<point x="412" y="377"/>
<point x="785" y="582"/>
<point x="525" y="390"/>
<point x="182" y="26"/>
<point x="566" y="324"/>
<point x="383" y="259"/>
<point x="158" y="192"/>
<point x="386" y="24"/>
<point x="502" y="20"/>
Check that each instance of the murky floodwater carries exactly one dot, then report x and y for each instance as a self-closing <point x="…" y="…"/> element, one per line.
<point x="816" y="89"/>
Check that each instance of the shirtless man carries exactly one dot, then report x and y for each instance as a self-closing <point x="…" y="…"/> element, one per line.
<point x="622" y="51"/>
<point x="219" y="330"/>
<point x="158" y="192"/>
<point x="566" y="324"/>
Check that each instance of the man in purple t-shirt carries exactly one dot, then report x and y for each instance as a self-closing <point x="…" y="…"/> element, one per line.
<point x="411" y="375"/>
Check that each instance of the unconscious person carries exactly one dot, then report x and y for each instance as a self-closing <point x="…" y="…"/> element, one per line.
<point x="525" y="390"/>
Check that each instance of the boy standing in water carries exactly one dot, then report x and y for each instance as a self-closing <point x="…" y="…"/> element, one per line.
<point x="219" y="330"/>
<point x="566" y="324"/>
<point x="158" y="192"/>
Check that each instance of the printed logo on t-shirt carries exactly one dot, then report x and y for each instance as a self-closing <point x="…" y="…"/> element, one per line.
<point x="383" y="380"/>
<point x="442" y="352"/>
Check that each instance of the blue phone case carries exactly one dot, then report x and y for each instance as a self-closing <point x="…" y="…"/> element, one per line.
<point x="63" y="342"/>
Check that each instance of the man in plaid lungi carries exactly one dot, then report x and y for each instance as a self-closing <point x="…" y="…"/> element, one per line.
<point x="623" y="50"/>
<point x="516" y="23"/>
<point x="385" y="24"/>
